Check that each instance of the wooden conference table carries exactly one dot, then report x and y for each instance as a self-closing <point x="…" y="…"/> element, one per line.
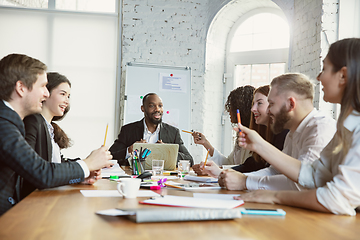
<point x="63" y="213"/>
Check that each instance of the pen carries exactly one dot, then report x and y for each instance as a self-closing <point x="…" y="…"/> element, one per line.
<point x="238" y="118"/>
<point x="144" y="153"/>
<point x="187" y="131"/>
<point x="170" y="173"/>
<point x="107" y="126"/>
<point x="136" y="167"/>
<point x="206" y="157"/>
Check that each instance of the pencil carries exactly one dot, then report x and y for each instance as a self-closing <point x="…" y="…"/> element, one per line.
<point x="206" y="157"/>
<point x="187" y="131"/>
<point x="174" y="186"/>
<point x="107" y="126"/>
<point x="238" y="118"/>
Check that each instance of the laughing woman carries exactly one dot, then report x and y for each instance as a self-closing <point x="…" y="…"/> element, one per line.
<point x="334" y="178"/>
<point x="45" y="136"/>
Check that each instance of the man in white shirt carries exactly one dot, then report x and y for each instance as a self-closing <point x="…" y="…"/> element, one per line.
<point x="150" y="129"/>
<point x="290" y="107"/>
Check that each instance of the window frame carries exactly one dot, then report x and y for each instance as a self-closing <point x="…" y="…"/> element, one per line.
<point x="232" y="59"/>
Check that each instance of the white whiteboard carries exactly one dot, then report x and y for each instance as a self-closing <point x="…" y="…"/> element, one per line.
<point x="172" y="84"/>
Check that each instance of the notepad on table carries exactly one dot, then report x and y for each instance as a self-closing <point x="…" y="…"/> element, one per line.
<point x="169" y="214"/>
<point x="201" y="179"/>
<point x="115" y="170"/>
<point x="179" y="201"/>
<point x="193" y="186"/>
<point x="115" y="193"/>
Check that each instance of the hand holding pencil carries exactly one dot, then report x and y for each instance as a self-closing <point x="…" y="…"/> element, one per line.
<point x="199" y="138"/>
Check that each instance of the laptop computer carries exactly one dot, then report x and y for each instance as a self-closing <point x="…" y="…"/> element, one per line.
<point x="159" y="151"/>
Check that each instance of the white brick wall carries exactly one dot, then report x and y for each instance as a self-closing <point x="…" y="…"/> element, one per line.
<point x="193" y="33"/>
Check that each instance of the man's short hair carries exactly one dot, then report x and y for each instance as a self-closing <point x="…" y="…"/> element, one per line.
<point x="146" y="96"/>
<point x="18" y="67"/>
<point x="295" y="82"/>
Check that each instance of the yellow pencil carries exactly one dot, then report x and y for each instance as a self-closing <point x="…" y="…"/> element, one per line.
<point x="107" y="126"/>
<point x="206" y="157"/>
<point x="187" y="131"/>
<point x="174" y="186"/>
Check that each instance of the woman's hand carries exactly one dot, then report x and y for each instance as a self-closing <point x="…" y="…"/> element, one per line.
<point x="199" y="138"/>
<point x="248" y="138"/>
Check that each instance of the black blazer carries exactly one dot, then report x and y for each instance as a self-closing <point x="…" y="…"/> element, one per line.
<point x="18" y="159"/>
<point x="37" y="135"/>
<point x="133" y="132"/>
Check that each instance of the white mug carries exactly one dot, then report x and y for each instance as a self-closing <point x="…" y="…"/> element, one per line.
<point x="129" y="187"/>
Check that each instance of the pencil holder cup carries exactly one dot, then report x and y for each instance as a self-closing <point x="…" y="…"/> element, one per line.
<point x="142" y="165"/>
<point x="133" y="166"/>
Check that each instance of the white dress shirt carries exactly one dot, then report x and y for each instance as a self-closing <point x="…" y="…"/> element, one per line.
<point x="337" y="175"/>
<point x="304" y="144"/>
<point x="148" y="136"/>
<point x="56" y="155"/>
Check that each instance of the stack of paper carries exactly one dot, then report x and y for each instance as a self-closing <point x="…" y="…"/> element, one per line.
<point x="115" y="170"/>
<point x="115" y="193"/>
<point x="201" y="179"/>
<point x="178" y="201"/>
<point x="173" y="214"/>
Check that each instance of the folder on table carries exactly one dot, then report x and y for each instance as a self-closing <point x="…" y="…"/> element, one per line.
<point x="169" y="214"/>
<point x="191" y="202"/>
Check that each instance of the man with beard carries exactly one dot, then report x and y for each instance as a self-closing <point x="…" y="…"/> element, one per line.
<point x="150" y="129"/>
<point x="290" y="107"/>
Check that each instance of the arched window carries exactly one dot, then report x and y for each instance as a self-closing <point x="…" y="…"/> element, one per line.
<point x="258" y="47"/>
<point x="257" y="51"/>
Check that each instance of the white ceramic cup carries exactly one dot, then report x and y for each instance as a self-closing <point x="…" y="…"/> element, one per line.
<point x="129" y="187"/>
<point x="184" y="166"/>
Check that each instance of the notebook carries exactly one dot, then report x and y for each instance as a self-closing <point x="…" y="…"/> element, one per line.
<point x="180" y="201"/>
<point x="170" y="214"/>
<point x="159" y="151"/>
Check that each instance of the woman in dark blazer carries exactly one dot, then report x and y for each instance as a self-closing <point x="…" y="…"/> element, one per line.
<point x="42" y="133"/>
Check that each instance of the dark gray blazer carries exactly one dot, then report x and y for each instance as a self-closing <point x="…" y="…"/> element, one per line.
<point x="38" y="137"/>
<point x="18" y="159"/>
<point x="133" y="132"/>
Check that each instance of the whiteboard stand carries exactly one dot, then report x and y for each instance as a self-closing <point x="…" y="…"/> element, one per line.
<point x="172" y="84"/>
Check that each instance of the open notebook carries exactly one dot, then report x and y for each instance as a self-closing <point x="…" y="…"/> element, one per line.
<point x="159" y="151"/>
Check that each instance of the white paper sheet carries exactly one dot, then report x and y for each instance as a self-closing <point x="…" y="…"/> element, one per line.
<point x="172" y="83"/>
<point x="177" y="201"/>
<point x="216" y="196"/>
<point x="201" y="179"/>
<point x="115" y="170"/>
<point x="115" y="212"/>
<point x="115" y="193"/>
